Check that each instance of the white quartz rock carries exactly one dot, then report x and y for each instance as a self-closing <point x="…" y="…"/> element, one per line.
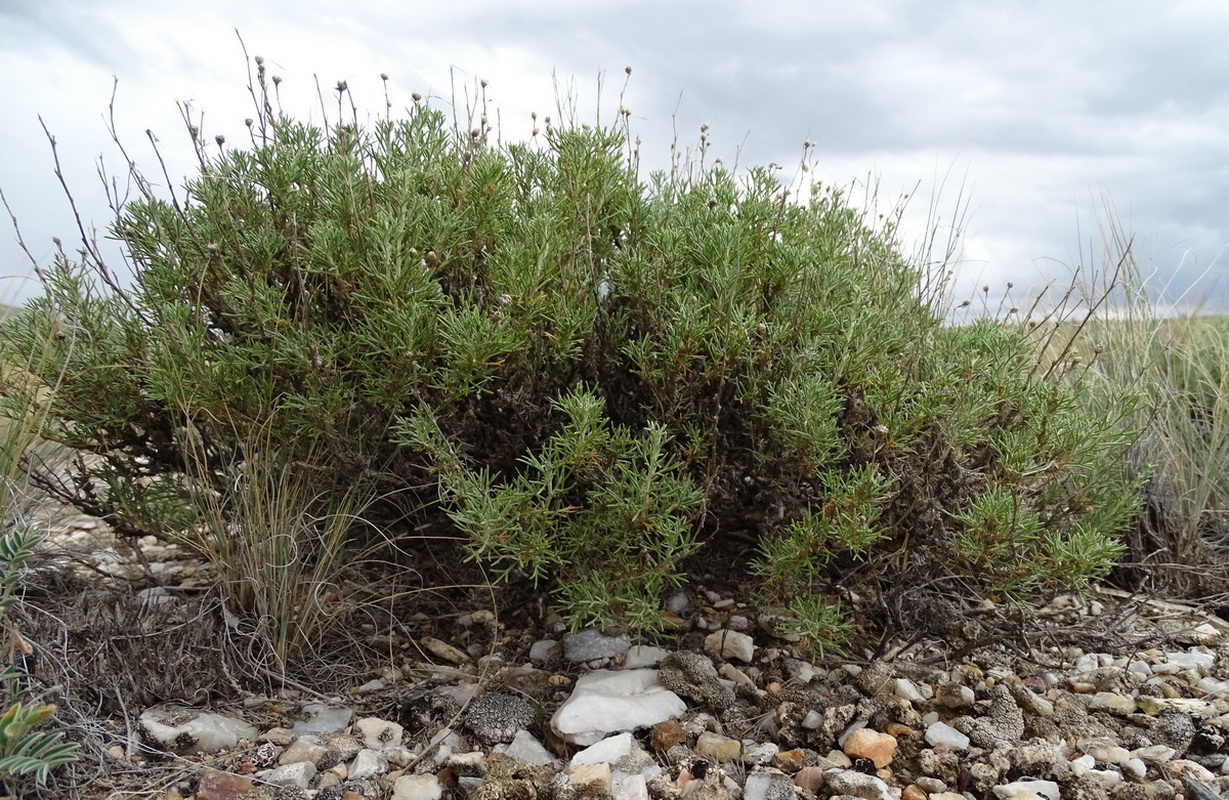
<point x="606" y="702"/>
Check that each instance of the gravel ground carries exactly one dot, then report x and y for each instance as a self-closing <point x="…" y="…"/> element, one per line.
<point x="1106" y="696"/>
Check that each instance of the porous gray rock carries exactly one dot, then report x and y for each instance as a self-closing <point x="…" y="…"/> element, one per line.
<point x="1003" y="724"/>
<point x="693" y="675"/>
<point x="1039" y="759"/>
<point x="1174" y="729"/>
<point x="497" y="717"/>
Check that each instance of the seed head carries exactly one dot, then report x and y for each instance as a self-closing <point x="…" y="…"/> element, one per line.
<point x="383" y="76"/>
<point x="248" y="122"/>
<point x="415" y="97"/>
<point x="482" y="83"/>
<point x="341" y="86"/>
<point x="627" y="70"/>
<point x="220" y="139"/>
<point x="260" y="60"/>
<point x="277" y="79"/>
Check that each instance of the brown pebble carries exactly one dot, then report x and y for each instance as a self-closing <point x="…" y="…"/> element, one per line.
<point x="665" y="735"/>
<point x="789" y="760"/>
<point x="215" y="785"/>
<point x="913" y="792"/>
<point x="810" y="778"/>
<point x="897" y="730"/>
<point x="442" y="649"/>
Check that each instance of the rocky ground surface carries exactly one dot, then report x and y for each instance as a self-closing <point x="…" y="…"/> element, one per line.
<point x="474" y="708"/>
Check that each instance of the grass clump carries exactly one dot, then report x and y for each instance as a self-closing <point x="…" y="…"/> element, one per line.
<point x="590" y="375"/>
<point x="1178" y="363"/>
<point x="25" y="751"/>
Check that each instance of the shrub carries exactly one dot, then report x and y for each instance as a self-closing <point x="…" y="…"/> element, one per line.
<point x="590" y="376"/>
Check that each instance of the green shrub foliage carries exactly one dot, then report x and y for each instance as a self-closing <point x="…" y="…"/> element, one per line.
<point x="589" y="375"/>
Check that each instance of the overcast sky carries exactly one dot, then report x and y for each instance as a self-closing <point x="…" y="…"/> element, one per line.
<point x="1033" y="113"/>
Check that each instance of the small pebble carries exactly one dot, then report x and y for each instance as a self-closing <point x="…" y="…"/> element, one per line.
<point x="867" y="743"/>
<point x="716" y="746"/>
<point x="731" y="644"/>
<point x="940" y="733"/>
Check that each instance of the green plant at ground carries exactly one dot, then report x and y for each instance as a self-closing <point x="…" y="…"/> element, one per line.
<point x="589" y="375"/>
<point x="23" y="750"/>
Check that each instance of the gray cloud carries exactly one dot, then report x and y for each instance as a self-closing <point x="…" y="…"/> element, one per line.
<point x="1045" y="105"/>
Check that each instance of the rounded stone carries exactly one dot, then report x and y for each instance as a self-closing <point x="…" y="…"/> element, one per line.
<point x="869" y="743"/>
